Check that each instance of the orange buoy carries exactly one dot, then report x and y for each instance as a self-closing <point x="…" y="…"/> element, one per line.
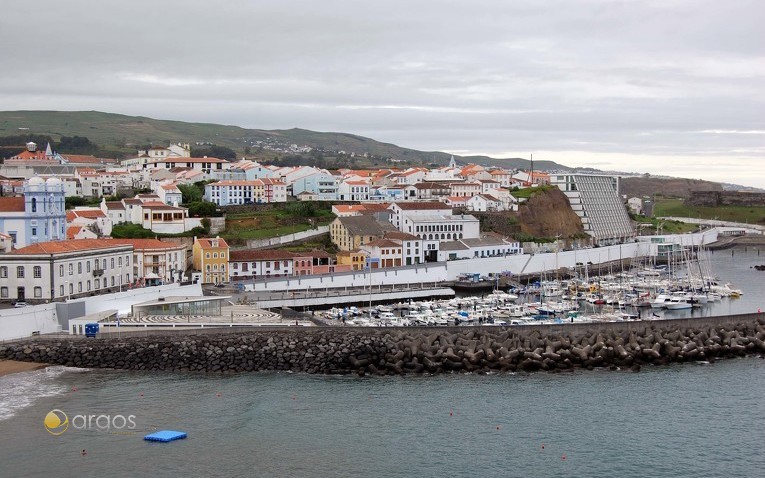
<point x="451" y="413"/>
<point x="543" y="446"/>
<point x="563" y="457"/>
<point x="218" y="395"/>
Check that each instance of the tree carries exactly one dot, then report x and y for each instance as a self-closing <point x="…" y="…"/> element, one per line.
<point x="214" y="151"/>
<point x="202" y="209"/>
<point x="191" y="193"/>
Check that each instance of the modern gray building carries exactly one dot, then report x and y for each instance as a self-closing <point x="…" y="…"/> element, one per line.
<point x="596" y="200"/>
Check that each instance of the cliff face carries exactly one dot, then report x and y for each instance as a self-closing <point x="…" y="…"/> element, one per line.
<point x="547" y="214"/>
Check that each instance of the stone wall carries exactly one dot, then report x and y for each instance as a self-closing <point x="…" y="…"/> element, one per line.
<point x="725" y="198"/>
<point x="412" y="350"/>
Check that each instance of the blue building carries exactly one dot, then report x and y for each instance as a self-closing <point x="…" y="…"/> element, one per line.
<point x="38" y="216"/>
<point x="321" y="184"/>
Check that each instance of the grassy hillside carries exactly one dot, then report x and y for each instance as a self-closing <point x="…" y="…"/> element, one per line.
<point x="121" y="135"/>
<point x="665" y="207"/>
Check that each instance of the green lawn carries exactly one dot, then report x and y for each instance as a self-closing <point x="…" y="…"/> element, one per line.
<point x="675" y="207"/>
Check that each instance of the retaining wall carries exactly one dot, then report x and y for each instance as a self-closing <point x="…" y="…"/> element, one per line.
<point x="412" y="350"/>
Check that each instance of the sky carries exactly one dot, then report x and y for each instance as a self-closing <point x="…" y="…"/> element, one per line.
<point x="668" y="87"/>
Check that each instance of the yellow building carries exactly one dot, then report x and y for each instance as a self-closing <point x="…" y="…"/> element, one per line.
<point x="356" y="260"/>
<point x="352" y="232"/>
<point x="211" y="259"/>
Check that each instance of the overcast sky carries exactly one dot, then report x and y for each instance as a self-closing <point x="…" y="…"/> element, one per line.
<point x="666" y="87"/>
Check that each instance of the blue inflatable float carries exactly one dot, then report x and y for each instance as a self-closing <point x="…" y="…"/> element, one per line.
<point x="165" y="436"/>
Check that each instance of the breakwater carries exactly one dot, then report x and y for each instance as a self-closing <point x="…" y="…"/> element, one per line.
<point x="412" y="350"/>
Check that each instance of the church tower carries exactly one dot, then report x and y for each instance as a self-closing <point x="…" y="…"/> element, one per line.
<point x="45" y="211"/>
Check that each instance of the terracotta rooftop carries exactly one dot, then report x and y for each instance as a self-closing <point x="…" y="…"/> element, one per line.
<point x="146" y="244"/>
<point x="12" y="204"/>
<point x="206" y="243"/>
<point x="260" y="255"/>
<point x="115" y="205"/>
<point x="59" y="247"/>
<point x="414" y="206"/>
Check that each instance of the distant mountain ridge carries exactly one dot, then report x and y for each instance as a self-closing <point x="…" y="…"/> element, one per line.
<point x="122" y="135"/>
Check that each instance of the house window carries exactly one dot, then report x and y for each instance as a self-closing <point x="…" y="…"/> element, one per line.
<point x="79" y="287"/>
<point x="207" y="256"/>
<point x="37" y="271"/>
<point x="34" y="231"/>
<point x="61" y="291"/>
<point x="3" y="292"/>
<point x="98" y="284"/>
<point x="87" y="266"/>
<point x="20" y="272"/>
<point x="119" y="262"/>
<point x="3" y="271"/>
<point x="38" y="292"/>
<point x="112" y="281"/>
<point x="71" y="269"/>
<point x="79" y="267"/>
<point x="88" y="283"/>
<point x="127" y="260"/>
<point x="215" y="255"/>
<point x="222" y="255"/>
<point x="112" y="263"/>
<point x="71" y="288"/>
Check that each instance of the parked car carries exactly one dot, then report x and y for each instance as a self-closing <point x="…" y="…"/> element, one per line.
<point x="20" y="304"/>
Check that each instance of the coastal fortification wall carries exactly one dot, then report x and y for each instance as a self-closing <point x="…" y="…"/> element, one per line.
<point x="412" y="350"/>
<point x="725" y="198"/>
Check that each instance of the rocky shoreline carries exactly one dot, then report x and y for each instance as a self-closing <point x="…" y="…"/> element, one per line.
<point x="382" y="351"/>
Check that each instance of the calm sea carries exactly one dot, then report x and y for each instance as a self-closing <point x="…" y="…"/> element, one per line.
<point x="676" y="421"/>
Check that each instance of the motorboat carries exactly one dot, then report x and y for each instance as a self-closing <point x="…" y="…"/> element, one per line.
<point x="678" y="302"/>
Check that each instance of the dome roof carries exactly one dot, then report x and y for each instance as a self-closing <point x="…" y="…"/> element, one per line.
<point x="36" y="181"/>
<point x="53" y="182"/>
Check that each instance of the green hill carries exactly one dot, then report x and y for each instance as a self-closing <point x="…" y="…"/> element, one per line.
<point x="120" y="135"/>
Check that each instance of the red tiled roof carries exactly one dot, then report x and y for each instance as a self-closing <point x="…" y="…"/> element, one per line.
<point x="206" y="243"/>
<point x="260" y="255"/>
<point x="115" y="205"/>
<point x="383" y="243"/>
<point x="147" y="244"/>
<point x="58" y="247"/>
<point x="12" y="204"/>
<point x="87" y="213"/>
<point x="27" y="155"/>
<point x="413" y="206"/>
<point x="72" y="231"/>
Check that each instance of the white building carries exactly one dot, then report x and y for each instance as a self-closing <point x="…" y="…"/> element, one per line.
<point x="351" y="190"/>
<point x="257" y="191"/>
<point x="65" y="269"/>
<point x="178" y="150"/>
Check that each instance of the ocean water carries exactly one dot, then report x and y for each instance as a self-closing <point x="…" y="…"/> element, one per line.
<point x="673" y="421"/>
<point x="705" y="420"/>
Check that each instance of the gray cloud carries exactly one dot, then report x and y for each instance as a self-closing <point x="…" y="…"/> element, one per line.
<point x="640" y="80"/>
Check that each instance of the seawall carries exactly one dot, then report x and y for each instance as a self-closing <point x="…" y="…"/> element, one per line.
<point x="412" y="350"/>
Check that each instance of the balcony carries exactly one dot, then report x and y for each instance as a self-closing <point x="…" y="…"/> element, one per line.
<point x="98" y="272"/>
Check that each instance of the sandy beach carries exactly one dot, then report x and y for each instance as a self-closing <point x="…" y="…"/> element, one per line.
<point x="12" y="366"/>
